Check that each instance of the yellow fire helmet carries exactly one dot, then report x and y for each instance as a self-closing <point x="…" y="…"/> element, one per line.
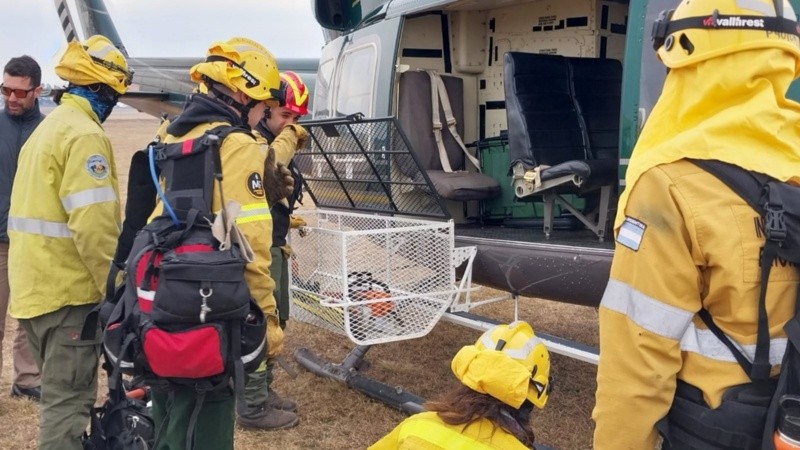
<point x="95" y="60"/>
<point x="698" y="30"/>
<point x="241" y="64"/>
<point x="507" y="362"/>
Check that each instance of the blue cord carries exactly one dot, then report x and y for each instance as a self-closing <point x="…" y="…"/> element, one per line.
<point x="168" y="208"/>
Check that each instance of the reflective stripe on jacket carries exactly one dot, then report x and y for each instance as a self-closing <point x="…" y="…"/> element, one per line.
<point x="426" y="431"/>
<point x="65" y="213"/>
<point x="689" y="242"/>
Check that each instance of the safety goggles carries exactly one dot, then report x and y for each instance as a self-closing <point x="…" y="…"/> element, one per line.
<point x="128" y="74"/>
<point x="19" y="93"/>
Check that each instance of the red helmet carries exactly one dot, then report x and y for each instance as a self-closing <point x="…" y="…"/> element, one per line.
<point x="296" y="93"/>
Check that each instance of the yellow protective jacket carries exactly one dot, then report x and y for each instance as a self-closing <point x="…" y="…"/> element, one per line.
<point x="285" y="144"/>
<point x="426" y="431"/>
<point x="685" y="240"/>
<point x="65" y="213"/>
<point x="242" y="160"/>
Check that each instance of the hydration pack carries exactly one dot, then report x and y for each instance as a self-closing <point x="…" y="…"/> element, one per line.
<point x="183" y="314"/>
<point x="749" y="414"/>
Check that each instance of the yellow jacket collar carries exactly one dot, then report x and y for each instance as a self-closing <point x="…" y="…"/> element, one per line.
<point x="80" y="103"/>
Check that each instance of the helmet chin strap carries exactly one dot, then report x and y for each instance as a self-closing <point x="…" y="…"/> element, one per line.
<point x="244" y="110"/>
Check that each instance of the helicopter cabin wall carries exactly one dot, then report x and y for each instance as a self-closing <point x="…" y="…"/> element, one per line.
<point x="583" y="28"/>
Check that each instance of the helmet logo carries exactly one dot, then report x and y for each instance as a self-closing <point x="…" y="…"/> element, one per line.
<point x="715" y="21"/>
<point x="251" y="80"/>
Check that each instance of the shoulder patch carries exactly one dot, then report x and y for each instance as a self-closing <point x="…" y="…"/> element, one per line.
<point x="631" y="233"/>
<point x="255" y="185"/>
<point x="97" y="167"/>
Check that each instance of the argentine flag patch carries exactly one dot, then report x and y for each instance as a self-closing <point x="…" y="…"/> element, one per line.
<point x="630" y="233"/>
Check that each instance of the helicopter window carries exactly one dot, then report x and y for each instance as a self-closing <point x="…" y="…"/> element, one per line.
<point x="322" y="89"/>
<point x="356" y="81"/>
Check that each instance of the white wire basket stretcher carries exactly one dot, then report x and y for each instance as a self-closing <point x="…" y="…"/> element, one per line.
<point x="375" y="279"/>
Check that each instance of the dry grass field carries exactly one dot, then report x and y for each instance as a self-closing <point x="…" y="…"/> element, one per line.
<point x="332" y="416"/>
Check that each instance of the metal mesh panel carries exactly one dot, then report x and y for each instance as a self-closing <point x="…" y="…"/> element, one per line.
<point x="367" y="166"/>
<point x="375" y="279"/>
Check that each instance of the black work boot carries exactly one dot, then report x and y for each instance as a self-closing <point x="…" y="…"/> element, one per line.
<point x="278" y="402"/>
<point x="34" y="393"/>
<point x="267" y="417"/>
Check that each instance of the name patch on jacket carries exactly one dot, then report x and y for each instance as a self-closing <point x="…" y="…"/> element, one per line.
<point x="254" y="185"/>
<point x="97" y="166"/>
<point x="631" y="232"/>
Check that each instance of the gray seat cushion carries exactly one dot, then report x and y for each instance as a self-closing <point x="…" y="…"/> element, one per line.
<point x="464" y="186"/>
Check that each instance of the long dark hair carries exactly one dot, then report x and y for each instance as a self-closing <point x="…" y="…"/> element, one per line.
<point x="462" y="406"/>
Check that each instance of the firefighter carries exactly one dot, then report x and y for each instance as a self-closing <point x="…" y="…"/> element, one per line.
<point x="236" y="79"/>
<point x="685" y="242"/>
<point x="503" y="376"/>
<point x="278" y="130"/>
<point x="63" y="225"/>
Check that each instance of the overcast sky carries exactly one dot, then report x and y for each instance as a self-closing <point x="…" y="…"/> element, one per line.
<point x="165" y="28"/>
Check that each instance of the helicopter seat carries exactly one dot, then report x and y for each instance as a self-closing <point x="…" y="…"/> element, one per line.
<point x="431" y="114"/>
<point x="563" y="129"/>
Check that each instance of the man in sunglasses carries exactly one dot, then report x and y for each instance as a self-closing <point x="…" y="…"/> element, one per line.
<point x="21" y="87"/>
<point x="63" y="224"/>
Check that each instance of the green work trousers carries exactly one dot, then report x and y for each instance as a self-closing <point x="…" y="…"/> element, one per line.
<point x="279" y="271"/>
<point x="257" y="384"/>
<point x="214" y="427"/>
<point x="256" y="387"/>
<point x="69" y="375"/>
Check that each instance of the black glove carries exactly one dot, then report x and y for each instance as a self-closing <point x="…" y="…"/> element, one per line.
<point x="278" y="180"/>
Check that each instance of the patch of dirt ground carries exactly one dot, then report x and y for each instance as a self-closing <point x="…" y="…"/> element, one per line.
<point x="336" y="418"/>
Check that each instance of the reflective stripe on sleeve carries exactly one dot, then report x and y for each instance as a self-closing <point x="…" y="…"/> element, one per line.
<point x="703" y="342"/>
<point x="675" y="323"/>
<point x="253" y="213"/>
<point x="647" y="312"/>
<point x="88" y="197"/>
<point x="40" y="227"/>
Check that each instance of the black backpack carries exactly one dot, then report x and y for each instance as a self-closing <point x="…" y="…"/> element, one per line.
<point x="750" y="413"/>
<point x="183" y="315"/>
<point x="122" y="423"/>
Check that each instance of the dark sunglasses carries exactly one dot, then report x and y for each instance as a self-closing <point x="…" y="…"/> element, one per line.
<point x="19" y="93"/>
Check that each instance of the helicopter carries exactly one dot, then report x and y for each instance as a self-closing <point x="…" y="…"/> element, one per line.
<point x="512" y="120"/>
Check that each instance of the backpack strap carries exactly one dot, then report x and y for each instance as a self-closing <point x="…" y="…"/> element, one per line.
<point x="141" y="200"/>
<point x="439" y="97"/>
<point x="754" y="189"/>
<point x="139" y="206"/>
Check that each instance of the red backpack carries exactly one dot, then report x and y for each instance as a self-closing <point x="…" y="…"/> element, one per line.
<point x="183" y="314"/>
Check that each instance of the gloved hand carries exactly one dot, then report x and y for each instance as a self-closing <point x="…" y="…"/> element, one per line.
<point x="278" y="180"/>
<point x="301" y="133"/>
